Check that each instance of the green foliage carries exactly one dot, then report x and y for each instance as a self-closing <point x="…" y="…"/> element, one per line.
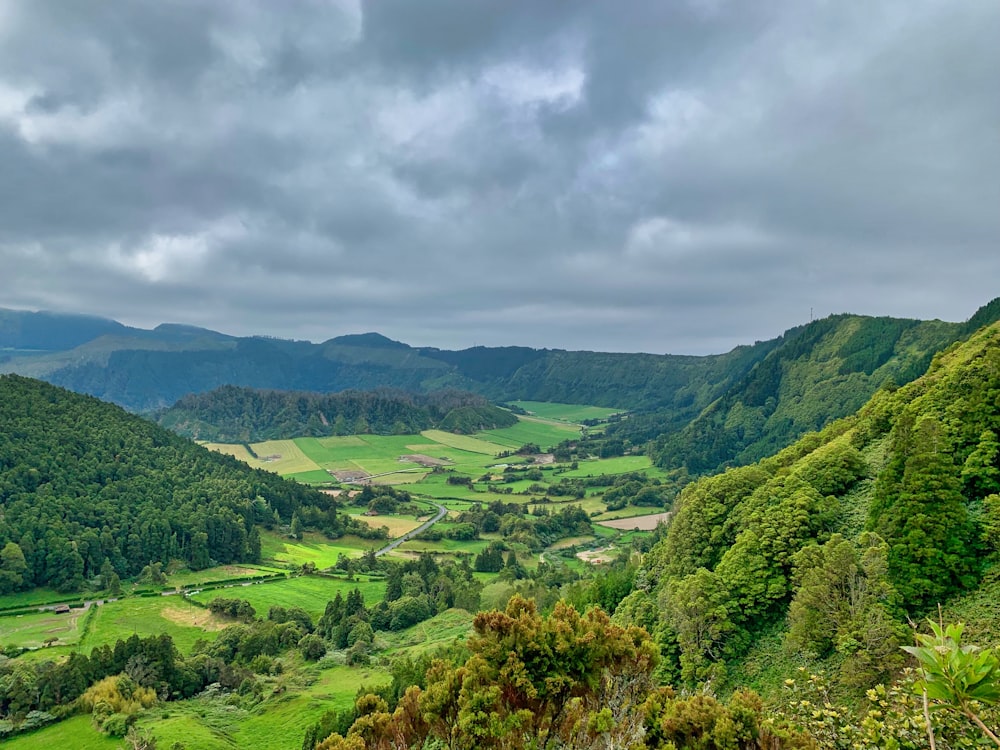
<point x="817" y="373"/>
<point x="233" y="414"/>
<point x="957" y="677"/>
<point x="844" y="602"/>
<point x="82" y="482"/>
<point x="921" y="513"/>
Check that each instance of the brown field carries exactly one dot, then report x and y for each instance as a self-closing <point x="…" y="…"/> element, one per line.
<point x="196" y="618"/>
<point x="397" y="526"/>
<point x="598" y="556"/>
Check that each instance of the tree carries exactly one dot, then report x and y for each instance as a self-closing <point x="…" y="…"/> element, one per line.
<point x="844" y="602"/>
<point x="12" y="568"/>
<point x="932" y="540"/>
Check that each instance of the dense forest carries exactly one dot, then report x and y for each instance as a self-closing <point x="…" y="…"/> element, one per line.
<point x="236" y="415"/>
<point x="87" y="489"/>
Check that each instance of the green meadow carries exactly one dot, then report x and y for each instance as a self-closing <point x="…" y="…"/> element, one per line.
<point x="574" y="413"/>
<point x="312" y="548"/>
<point x="543" y="433"/>
<point x="311" y="593"/>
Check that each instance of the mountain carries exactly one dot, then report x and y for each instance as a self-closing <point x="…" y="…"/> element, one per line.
<point x="820" y="372"/>
<point x="47" y="331"/>
<point x="692" y="414"/>
<point x="84" y="483"/>
<point x="147" y="370"/>
<point x="835" y="541"/>
<point x="231" y="414"/>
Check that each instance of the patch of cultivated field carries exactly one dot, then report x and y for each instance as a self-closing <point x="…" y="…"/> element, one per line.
<point x="574" y="413"/>
<point x="31" y="598"/>
<point x="311" y="593"/>
<point x="397" y="525"/>
<point x="643" y="523"/>
<point x="618" y="465"/>
<point x="282" y="457"/>
<point x="316" y="476"/>
<point x="219" y="573"/>
<point x="34" y="629"/>
<point x="464" y="442"/>
<point x="314" y="548"/>
<point x="544" y="433"/>
<point x="236" y="450"/>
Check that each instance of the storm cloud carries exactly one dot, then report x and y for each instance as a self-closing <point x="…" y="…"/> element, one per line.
<point x="678" y="176"/>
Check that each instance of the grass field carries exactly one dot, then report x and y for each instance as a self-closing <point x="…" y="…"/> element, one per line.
<point x="618" y="465"/>
<point x="314" y="548"/>
<point x="76" y="733"/>
<point x="31" y="598"/>
<point x="146" y="616"/>
<point x="574" y="413"/>
<point x="289" y="458"/>
<point x="440" y="630"/>
<point x="311" y="593"/>
<point x="464" y="442"/>
<point x="186" y="578"/>
<point x="32" y="630"/>
<point x="143" y="616"/>
<point x="544" y="433"/>
<point x="316" y="476"/>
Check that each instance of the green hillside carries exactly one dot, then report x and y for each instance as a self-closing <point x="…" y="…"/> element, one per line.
<point x="821" y="372"/>
<point x="835" y="541"/>
<point x="87" y="489"/>
<point x="239" y="415"/>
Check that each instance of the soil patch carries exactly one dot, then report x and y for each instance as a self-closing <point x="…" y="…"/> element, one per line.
<point x="543" y="459"/>
<point x="597" y="556"/>
<point x="351" y="475"/>
<point x="198" y="618"/>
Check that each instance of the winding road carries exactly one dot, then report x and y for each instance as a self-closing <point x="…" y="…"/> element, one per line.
<point x="442" y="512"/>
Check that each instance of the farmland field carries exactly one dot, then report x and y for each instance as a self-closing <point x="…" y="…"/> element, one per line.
<point x="311" y="593"/>
<point x="543" y="433"/>
<point x="32" y="630"/>
<point x="464" y="442"/>
<point x="282" y="457"/>
<point x="313" y="548"/>
<point x="574" y="413"/>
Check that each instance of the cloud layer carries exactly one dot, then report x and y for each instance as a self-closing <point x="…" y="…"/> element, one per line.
<point x="676" y="176"/>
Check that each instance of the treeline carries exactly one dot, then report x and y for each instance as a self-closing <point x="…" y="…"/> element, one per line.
<point x="87" y="489"/>
<point x="236" y="415"/>
<point x="848" y="533"/>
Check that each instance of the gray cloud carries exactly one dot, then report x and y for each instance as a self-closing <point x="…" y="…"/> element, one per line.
<point x="677" y="176"/>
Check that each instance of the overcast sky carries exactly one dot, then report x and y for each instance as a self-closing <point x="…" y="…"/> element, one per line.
<point x="668" y="175"/>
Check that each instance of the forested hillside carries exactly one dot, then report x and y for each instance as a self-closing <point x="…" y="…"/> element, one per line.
<point x="692" y="414"/>
<point x="843" y="536"/>
<point x="822" y="372"/>
<point x="235" y="415"/>
<point x="85" y="485"/>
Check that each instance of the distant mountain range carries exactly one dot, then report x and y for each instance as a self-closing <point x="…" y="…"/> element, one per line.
<point x="695" y="413"/>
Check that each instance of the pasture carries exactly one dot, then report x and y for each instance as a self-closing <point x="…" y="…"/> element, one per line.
<point x="573" y="413"/>
<point x="311" y="593"/>
<point x="34" y="629"/>
<point x="464" y="442"/>
<point x="312" y="548"/>
<point x="544" y="433"/>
